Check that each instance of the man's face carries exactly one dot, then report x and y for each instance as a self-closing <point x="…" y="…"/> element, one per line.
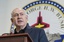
<point x="19" y="18"/>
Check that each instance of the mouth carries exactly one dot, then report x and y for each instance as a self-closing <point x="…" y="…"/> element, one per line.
<point x="19" y="21"/>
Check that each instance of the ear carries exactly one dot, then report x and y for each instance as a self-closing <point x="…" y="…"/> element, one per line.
<point x="27" y="17"/>
<point x="11" y="20"/>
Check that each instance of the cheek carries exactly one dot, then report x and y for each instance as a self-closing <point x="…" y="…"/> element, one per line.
<point x="14" y="20"/>
<point x="25" y="20"/>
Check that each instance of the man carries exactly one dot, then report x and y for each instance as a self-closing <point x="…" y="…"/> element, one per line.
<point x="19" y="19"/>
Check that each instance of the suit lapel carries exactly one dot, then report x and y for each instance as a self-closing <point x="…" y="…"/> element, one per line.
<point x="28" y="30"/>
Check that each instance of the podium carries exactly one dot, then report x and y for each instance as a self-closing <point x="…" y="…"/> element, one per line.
<point x="24" y="37"/>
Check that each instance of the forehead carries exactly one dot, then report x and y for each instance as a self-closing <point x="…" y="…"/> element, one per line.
<point x="18" y="10"/>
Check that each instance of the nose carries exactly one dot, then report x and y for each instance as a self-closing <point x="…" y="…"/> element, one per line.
<point x="19" y="16"/>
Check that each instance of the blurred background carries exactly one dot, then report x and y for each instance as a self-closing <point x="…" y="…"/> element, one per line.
<point x="6" y="7"/>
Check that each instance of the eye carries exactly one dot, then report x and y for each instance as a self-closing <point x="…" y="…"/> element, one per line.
<point x="21" y="14"/>
<point x="15" y="15"/>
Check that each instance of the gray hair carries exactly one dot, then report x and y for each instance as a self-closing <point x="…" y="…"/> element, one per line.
<point x="15" y="9"/>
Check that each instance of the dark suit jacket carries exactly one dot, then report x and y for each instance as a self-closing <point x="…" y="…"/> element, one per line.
<point x="37" y="34"/>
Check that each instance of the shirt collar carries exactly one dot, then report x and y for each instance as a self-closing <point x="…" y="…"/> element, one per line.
<point x="22" y="30"/>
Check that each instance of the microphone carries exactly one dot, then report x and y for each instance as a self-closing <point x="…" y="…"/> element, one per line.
<point x="12" y="29"/>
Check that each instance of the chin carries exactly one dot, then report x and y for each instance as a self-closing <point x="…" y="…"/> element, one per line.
<point x="20" y="24"/>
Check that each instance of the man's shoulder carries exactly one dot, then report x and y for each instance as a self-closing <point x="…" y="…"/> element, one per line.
<point x="34" y="28"/>
<point x="38" y="30"/>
